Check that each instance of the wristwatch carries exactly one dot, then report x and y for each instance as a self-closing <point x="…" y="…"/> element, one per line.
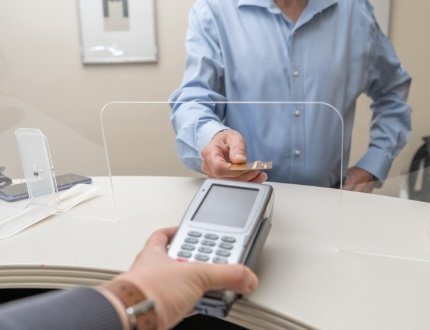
<point x="140" y="310"/>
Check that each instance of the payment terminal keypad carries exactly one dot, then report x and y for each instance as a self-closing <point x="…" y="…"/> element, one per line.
<point x="206" y="247"/>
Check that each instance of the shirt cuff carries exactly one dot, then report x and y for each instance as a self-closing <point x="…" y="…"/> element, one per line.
<point x="78" y="308"/>
<point x="376" y="162"/>
<point x="207" y="132"/>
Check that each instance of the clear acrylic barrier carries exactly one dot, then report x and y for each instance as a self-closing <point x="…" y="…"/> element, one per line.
<point x="140" y="141"/>
<point x="391" y="222"/>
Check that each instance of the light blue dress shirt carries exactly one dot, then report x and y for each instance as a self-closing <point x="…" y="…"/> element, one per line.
<point x="248" y="50"/>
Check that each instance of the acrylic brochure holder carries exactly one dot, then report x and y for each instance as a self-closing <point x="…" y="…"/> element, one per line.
<point x="37" y="167"/>
<point x="43" y="197"/>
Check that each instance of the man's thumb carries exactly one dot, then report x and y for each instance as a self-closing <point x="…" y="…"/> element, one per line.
<point x="237" y="153"/>
<point x="237" y="278"/>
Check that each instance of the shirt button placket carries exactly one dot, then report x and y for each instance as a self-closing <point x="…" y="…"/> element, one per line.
<point x="296" y="95"/>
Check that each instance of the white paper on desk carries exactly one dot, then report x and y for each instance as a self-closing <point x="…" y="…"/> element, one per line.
<point x="34" y="213"/>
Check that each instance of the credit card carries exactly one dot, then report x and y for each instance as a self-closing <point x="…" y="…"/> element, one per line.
<point x="257" y="165"/>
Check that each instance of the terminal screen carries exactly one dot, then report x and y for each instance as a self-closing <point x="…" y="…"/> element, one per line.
<point x="226" y="206"/>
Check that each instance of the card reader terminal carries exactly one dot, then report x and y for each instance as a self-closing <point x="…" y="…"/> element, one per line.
<point x="226" y="222"/>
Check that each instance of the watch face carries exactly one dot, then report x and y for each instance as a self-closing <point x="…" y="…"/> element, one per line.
<point x="141" y="308"/>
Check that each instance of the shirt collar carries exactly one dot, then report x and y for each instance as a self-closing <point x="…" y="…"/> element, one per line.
<point x="316" y="6"/>
<point x="313" y="5"/>
<point x="259" y="3"/>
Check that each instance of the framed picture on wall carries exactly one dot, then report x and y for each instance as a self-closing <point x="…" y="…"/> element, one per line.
<point x="117" y="31"/>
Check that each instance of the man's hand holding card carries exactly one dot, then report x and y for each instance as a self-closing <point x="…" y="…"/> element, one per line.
<point x="225" y="158"/>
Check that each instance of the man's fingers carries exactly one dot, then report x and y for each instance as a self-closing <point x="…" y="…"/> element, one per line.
<point x="226" y="148"/>
<point x="359" y="179"/>
<point x="222" y="171"/>
<point x="260" y="178"/>
<point x="215" y="169"/>
<point x="161" y="238"/>
<point x="237" y="278"/>
<point x="214" y="162"/>
<point x="366" y="187"/>
<point x="347" y="185"/>
<point x="248" y="176"/>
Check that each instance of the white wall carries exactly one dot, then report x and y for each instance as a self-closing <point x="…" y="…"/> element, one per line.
<point x="43" y="83"/>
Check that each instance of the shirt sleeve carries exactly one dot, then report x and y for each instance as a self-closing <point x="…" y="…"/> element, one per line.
<point x="198" y="105"/>
<point x="80" y="308"/>
<point x="388" y="87"/>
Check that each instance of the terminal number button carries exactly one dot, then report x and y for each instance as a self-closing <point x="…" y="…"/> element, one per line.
<point x="194" y="233"/>
<point x="222" y="253"/>
<point x="184" y="254"/>
<point x="218" y="260"/>
<point x="191" y="240"/>
<point x="188" y="247"/>
<point x="208" y="243"/>
<point x="226" y="246"/>
<point x="205" y="249"/>
<point x="211" y="236"/>
<point x="228" y="239"/>
<point x="201" y="257"/>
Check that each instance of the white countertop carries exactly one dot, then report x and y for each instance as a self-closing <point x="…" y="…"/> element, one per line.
<point x="309" y="269"/>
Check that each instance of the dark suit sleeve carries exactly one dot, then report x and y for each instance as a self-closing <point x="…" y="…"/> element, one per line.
<point x="80" y="308"/>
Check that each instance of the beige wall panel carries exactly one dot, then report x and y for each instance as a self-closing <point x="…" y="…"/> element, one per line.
<point x="42" y="82"/>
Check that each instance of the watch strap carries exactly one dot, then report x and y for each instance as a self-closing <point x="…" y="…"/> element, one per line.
<point x="140" y="310"/>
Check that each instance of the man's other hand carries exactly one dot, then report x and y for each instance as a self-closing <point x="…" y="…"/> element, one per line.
<point x="360" y="180"/>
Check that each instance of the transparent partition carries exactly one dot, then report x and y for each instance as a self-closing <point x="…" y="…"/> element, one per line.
<point x="393" y="221"/>
<point x="140" y="141"/>
<point x="51" y="170"/>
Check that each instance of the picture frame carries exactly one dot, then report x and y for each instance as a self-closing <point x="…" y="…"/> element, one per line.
<point x="117" y="31"/>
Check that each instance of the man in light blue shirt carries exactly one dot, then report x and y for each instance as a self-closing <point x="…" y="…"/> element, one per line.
<point x="273" y="51"/>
